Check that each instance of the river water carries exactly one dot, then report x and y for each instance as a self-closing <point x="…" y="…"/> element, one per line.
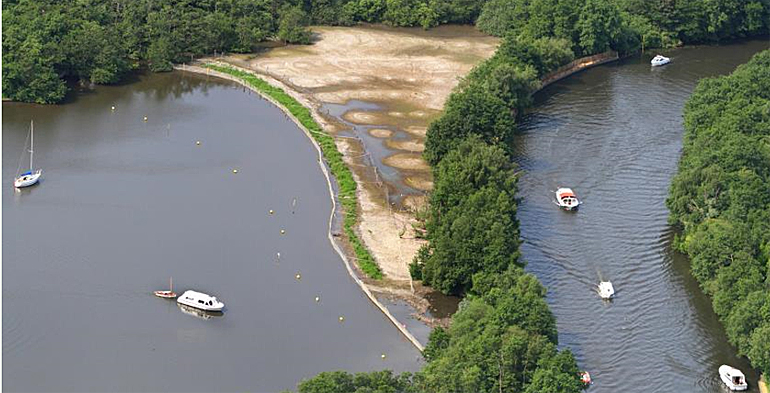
<point x="125" y="204"/>
<point x="613" y="134"/>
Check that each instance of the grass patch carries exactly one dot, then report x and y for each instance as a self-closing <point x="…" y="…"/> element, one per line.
<point x="347" y="185"/>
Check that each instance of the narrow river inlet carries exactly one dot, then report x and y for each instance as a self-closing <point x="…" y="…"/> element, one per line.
<point x="613" y="134"/>
<point x="124" y="204"/>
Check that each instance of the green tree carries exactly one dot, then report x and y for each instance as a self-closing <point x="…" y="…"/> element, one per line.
<point x="472" y="224"/>
<point x="159" y="55"/>
<point x="499" y="17"/>
<point x="472" y="110"/>
<point x="760" y="348"/>
<point x="599" y="26"/>
<point x="292" y="26"/>
<point x="28" y="77"/>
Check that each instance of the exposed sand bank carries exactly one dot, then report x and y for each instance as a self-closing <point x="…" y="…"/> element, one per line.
<point x="408" y="74"/>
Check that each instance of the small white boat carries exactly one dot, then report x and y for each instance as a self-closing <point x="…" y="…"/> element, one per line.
<point x="566" y="199"/>
<point x="200" y="301"/>
<point x="170" y="294"/>
<point x="733" y="378"/>
<point x="659" y="60"/>
<point x="30" y="177"/>
<point x="606" y="290"/>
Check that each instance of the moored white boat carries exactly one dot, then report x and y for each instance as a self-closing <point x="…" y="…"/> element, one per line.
<point x="606" y="290"/>
<point x="200" y="301"/>
<point x="566" y="199"/>
<point x="170" y="294"/>
<point x="733" y="378"/>
<point x="659" y="60"/>
<point x="30" y="177"/>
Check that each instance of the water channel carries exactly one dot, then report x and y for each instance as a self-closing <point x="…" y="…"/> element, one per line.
<point x="613" y="134"/>
<point x="124" y="204"/>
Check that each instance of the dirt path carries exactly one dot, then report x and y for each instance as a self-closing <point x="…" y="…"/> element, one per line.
<point x="408" y="73"/>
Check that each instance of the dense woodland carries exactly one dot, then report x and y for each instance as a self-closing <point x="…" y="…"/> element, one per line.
<point x="47" y="43"/>
<point x="720" y="199"/>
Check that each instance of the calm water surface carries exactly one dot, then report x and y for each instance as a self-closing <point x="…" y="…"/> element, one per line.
<point x="124" y="204"/>
<point x="614" y="135"/>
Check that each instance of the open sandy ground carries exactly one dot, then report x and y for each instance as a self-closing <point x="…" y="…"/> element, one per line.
<point x="408" y="73"/>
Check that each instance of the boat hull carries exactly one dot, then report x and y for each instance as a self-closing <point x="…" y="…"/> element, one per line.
<point x="27" y="179"/>
<point x="197" y="313"/>
<point x="165" y="294"/>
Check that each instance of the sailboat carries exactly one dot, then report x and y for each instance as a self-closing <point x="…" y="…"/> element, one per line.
<point x="167" y="294"/>
<point x="30" y="177"/>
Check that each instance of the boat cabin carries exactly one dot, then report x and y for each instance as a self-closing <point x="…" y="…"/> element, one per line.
<point x="567" y="199"/>
<point x="733" y="378"/>
<point x="201" y="301"/>
<point x="606" y="290"/>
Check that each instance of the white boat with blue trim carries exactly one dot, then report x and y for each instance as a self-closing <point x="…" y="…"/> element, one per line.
<point x="30" y="177"/>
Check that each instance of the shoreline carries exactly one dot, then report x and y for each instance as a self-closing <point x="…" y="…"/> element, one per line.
<point x="372" y="208"/>
<point x="332" y="194"/>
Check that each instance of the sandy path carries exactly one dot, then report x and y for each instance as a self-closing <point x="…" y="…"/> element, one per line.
<point x="409" y="73"/>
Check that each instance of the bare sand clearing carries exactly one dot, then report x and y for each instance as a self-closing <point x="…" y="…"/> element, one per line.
<point x="380" y="133"/>
<point x="381" y="64"/>
<point x="409" y="73"/>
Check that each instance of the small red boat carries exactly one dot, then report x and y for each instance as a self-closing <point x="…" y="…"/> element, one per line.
<point x="170" y="294"/>
<point x="585" y="377"/>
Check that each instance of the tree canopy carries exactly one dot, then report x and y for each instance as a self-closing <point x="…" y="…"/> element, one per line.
<point x="47" y="43"/>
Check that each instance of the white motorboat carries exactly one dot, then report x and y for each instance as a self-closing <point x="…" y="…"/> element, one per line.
<point x="30" y="177"/>
<point x="733" y="378"/>
<point x="606" y="290"/>
<point x="200" y="301"/>
<point x="566" y="199"/>
<point x="659" y="60"/>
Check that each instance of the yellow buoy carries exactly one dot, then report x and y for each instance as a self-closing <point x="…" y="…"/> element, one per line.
<point x="342" y="319"/>
<point x="235" y="171"/>
<point x="145" y="118"/>
<point x="198" y="143"/>
<point x="113" y="108"/>
<point x="271" y="211"/>
<point x="317" y="299"/>
<point x="298" y="276"/>
<point x="382" y="356"/>
<point x="283" y="232"/>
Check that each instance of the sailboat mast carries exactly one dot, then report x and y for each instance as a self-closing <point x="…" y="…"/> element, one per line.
<point x="31" y="142"/>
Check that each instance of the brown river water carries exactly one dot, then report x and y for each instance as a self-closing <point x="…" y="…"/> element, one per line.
<point x="123" y="204"/>
<point x="614" y="135"/>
